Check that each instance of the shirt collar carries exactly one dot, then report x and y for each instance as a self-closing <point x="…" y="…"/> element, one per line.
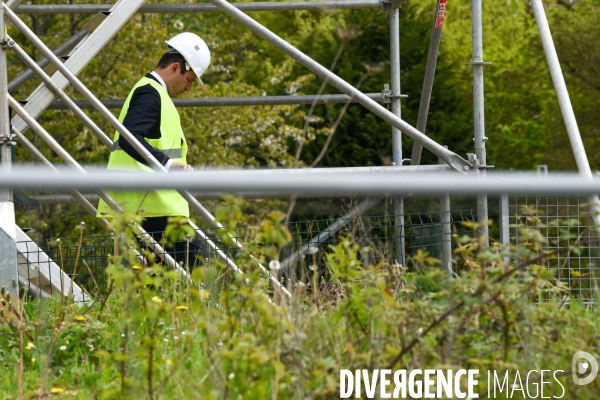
<point x="159" y="79"/>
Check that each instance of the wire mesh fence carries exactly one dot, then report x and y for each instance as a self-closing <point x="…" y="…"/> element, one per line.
<point x="563" y="224"/>
<point x="375" y="236"/>
<point x="83" y="259"/>
<point x="86" y="258"/>
<point x="569" y="237"/>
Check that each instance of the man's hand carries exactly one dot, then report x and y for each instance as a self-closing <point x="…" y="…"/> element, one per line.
<point x="177" y="167"/>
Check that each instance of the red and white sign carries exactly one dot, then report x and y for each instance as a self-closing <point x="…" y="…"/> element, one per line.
<point x="439" y="21"/>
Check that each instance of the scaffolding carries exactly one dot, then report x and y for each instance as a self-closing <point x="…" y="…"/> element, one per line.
<point x="109" y="19"/>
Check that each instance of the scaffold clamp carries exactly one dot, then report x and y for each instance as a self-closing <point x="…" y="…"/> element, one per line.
<point x="7" y="43"/>
<point x="11" y="140"/>
<point x="387" y="4"/>
<point x="387" y="95"/>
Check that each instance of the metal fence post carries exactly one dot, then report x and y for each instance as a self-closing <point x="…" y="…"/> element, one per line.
<point x="396" y="134"/>
<point x="8" y="247"/>
<point x="446" y="230"/>
<point x="504" y="221"/>
<point x="504" y="224"/>
<point x="478" y="112"/>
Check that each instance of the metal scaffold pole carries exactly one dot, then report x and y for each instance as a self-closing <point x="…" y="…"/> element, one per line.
<point x="396" y="134"/>
<point x="8" y="233"/>
<point x="203" y="7"/>
<point x="432" y="55"/>
<point x="564" y="101"/>
<point x="478" y="112"/>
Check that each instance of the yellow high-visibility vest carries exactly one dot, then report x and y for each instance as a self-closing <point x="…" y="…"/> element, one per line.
<point x="152" y="203"/>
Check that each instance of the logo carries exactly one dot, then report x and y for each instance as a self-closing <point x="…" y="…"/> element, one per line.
<point x="417" y="384"/>
<point x="583" y="363"/>
<point x="197" y="48"/>
<point x="463" y="383"/>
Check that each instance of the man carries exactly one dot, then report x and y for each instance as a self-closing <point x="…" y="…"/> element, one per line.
<point x="150" y="115"/>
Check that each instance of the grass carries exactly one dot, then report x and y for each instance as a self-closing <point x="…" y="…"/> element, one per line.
<point x="155" y="335"/>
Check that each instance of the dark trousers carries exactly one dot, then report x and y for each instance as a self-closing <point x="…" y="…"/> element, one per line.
<point x="198" y="251"/>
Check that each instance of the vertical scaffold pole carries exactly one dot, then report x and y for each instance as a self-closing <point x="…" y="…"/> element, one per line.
<point x="564" y="101"/>
<point x="8" y="234"/>
<point x="396" y="134"/>
<point x="478" y="112"/>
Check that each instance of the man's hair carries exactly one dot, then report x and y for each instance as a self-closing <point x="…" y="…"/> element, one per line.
<point x="172" y="57"/>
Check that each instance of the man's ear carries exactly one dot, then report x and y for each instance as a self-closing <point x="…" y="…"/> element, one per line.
<point x="174" y="68"/>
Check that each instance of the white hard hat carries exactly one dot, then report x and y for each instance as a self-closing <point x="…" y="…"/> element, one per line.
<point x="193" y="49"/>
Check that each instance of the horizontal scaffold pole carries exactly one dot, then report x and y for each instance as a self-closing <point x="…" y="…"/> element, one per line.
<point x="202" y="7"/>
<point x="233" y="101"/>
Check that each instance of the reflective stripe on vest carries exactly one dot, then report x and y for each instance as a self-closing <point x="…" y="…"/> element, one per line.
<point x="153" y="203"/>
<point x="171" y="153"/>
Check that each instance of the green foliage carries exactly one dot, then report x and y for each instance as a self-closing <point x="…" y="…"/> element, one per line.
<point x="154" y="330"/>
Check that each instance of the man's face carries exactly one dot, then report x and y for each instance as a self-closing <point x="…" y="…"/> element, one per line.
<point x="178" y="83"/>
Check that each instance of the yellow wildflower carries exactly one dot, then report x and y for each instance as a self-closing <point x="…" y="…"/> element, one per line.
<point x="204" y="294"/>
<point x="182" y="308"/>
<point x="136" y="267"/>
<point x="56" y="390"/>
<point x="157" y="300"/>
<point x="30" y="346"/>
<point x="32" y="360"/>
<point x="81" y="318"/>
